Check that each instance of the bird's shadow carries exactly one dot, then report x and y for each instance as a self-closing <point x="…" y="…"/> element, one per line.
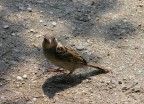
<point x="61" y="82"/>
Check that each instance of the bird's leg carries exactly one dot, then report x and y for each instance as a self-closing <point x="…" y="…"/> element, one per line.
<point x="70" y="72"/>
<point x="55" y="69"/>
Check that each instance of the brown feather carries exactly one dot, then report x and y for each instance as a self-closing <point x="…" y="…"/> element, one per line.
<point x="96" y="65"/>
<point x="70" y="54"/>
<point x="63" y="56"/>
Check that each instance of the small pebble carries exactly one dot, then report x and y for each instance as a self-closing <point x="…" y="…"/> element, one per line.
<point x="13" y="62"/>
<point x="29" y="9"/>
<point x="6" y="26"/>
<point x="37" y="36"/>
<point x="16" y="50"/>
<point x="41" y="11"/>
<point x="140" y="11"/>
<point x="32" y="30"/>
<point x="34" y="99"/>
<point x="22" y="57"/>
<point x="80" y="48"/>
<point x="19" y="78"/>
<point x="40" y="1"/>
<point x="2" y="97"/>
<point x="1" y="44"/>
<point x="51" y="12"/>
<point x="140" y="71"/>
<point x="73" y="28"/>
<point x="13" y="34"/>
<point x="89" y="41"/>
<point x="21" y="6"/>
<point x="24" y="76"/>
<point x="1" y="84"/>
<point x="41" y="20"/>
<point x="35" y="67"/>
<point x="54" y="23"/>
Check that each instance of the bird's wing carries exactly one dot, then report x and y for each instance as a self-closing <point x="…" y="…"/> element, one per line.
<point x="69" y="54"/>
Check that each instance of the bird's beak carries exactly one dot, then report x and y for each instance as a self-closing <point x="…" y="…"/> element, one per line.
<point x="56" y="40"/>
<point x="49" y="40"/>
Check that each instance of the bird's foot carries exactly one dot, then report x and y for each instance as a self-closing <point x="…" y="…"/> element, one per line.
<point x="55" y="69"/>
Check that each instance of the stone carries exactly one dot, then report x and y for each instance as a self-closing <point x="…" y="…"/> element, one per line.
<point x="21" y="6"/>
<point x="54" y="23"/>
<point x="6" y="26"/>
<point x="29" y="9"/>
<point x="19" y="78"/>
<point x="41" y="20"/>
<point x="80" y="48"/>
<point x="34" y="99"/>
<point x="13" y="34"/>
<point x="24" y="76"/>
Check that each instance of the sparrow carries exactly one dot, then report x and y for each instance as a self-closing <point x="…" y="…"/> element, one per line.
<point x="64" y="56"/>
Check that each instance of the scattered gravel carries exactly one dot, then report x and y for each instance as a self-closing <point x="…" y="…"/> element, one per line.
<point x="110" y="32"/>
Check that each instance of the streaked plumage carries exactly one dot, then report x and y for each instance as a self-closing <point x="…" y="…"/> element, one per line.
<point x="65" y="57"/>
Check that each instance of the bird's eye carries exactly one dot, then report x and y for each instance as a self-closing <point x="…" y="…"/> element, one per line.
<point x="59" y="48"/>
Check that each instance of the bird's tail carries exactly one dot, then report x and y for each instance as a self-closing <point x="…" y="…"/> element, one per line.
<point x="97" y="65"/>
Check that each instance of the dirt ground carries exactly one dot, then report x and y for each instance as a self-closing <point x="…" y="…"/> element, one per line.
<point x="108" y="31"/>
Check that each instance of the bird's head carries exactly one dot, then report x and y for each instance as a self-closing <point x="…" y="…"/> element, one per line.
<point x="49" y="41"/>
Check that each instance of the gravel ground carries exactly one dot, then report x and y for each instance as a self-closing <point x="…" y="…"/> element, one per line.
<point x="108" y="31"/>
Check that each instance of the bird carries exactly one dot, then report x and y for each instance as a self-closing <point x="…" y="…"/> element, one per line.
<point x="64" y="56"/>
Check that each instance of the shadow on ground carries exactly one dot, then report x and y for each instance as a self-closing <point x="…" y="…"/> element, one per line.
<point x="59" y="83"/>
<point x="13" y="46"/>
<point x="84" y="18"/>
<point x="119" y="30"/>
